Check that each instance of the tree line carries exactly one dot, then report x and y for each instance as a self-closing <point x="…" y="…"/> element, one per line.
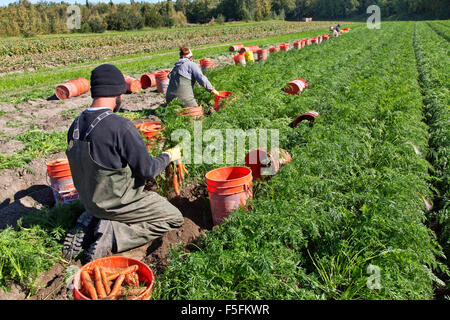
<point x="23" y="18"/>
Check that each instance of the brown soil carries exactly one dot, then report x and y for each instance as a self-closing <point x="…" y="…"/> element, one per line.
<point x="26" y="189"/>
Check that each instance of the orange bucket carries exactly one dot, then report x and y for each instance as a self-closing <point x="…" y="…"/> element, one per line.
<point x="220" y="97"/>
<point x="266" y="163"/>
<point x="144" y="272"/>
<point x="228" y="188"/>
<point x="72" y="88"/>
<point x="206" y="64"/>
<point x="236" y="47"/>
<point x="240" y="59"/>
<point x="162" y="81"/>
<point x="249" y="48"/>
<point x="133" y="85"/>
<point x="262" y="54"/>
<point x="148" y="80"/>
<point x="195" y="112"/>
<point x="274" y="49"/>
<point x="284" y="46"/>
<point x="61" y="181"/>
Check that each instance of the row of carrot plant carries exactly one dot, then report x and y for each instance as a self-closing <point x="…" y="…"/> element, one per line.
<point x="434" y="76"/>
<point x="343" y="220"/>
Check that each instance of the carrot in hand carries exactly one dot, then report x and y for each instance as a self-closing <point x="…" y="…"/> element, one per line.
<point x="89" y="285"/>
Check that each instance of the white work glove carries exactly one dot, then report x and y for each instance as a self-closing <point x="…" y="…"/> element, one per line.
<point x="174" y="153"/>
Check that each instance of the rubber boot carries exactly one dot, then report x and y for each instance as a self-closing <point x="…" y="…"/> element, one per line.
<point x="104" y="243"/>
<point x="80" y="236"/>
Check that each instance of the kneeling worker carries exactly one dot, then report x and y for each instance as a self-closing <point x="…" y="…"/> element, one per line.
<point x="110" y="164"/>
<point x="183" y="77"/>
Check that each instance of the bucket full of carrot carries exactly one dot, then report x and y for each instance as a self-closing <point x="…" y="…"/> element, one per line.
<point x="72" y="88"/>
<point x="296" y="86"/>
<point x="219" y="98"/>
<point x="113" y="278"/>
<point x="151" y="132"/>
<point x="206" y="64"/>
<point x="61" y="182"/>
<point x="228" y="189"/>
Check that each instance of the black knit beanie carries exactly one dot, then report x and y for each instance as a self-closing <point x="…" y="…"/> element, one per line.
<point x="107" y="81"/>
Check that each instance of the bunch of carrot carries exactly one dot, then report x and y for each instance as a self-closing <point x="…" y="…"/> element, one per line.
<point x="111" y="283"/>
<point x="178" y="172"/>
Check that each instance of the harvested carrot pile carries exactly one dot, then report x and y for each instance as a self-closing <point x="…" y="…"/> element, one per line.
<point x="112" y="283"/>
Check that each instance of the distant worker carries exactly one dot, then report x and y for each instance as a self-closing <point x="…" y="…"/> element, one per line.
<point x="335" y="32"/>
<point x="110" y="165"/>
<point x="338" y="28"/>
<point x="183" y="77"/>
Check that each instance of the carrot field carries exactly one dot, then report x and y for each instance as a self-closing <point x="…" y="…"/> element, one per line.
<point x="366" y="192"/>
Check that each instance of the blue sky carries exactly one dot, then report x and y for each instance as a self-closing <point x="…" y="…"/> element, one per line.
<point x="6" y="2"/>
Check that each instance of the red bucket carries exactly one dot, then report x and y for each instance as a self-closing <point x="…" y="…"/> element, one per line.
<point x="240" y="59"/>
<point x="162" y="81"/>
<point x="148" y="80"/>
<point x="262" y="54"/>
<point x="309" y="116"/>
<point x="228" y="188"/>
<point x="132" y="84"/>
<point x="218" y="99"/>
<point x="284" y="46"/>
<point x="144" y="272"/>
<point x="263" y="163"/>
<point x="206" y="64"/>
<point x="274" y="49"/>
<point x="236" y="47"/>
<point x="296" y="86"/>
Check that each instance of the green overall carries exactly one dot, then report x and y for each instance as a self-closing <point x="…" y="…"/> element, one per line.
<point x="118" y="195"/>
<point x="181" y="88"/>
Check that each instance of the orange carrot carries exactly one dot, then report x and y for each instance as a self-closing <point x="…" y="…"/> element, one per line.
<point x="99" y="283"/>
<point x="180" y="171"/>
<point x="124" y="271"/>
<point x="117" y="285"/>
<point x="184" y="169"/>
<point x="89" y="285"/>
<point x="175" y="184"/>
<point x="105" y="281"/>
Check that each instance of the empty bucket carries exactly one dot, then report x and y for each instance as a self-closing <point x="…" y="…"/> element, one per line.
<point x="61" y="181"/>
<point x="262" y="54"/>
<point x="132" y="84"/>
<point x="219" y="98"/>
<point x="236" y="47"/>
<point x="267" y="164"/>
<point x="296" y="86"/>
<point x="239" y="59"/>
<point x="309" y="116"/>
<point x="72" y="88"/>
<point x="206" y="64"/>
<point x="274" y="49"/>
<point x="162" y="81"/>
<point x="148" y="80"/>
<point x="228" y="188"/>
